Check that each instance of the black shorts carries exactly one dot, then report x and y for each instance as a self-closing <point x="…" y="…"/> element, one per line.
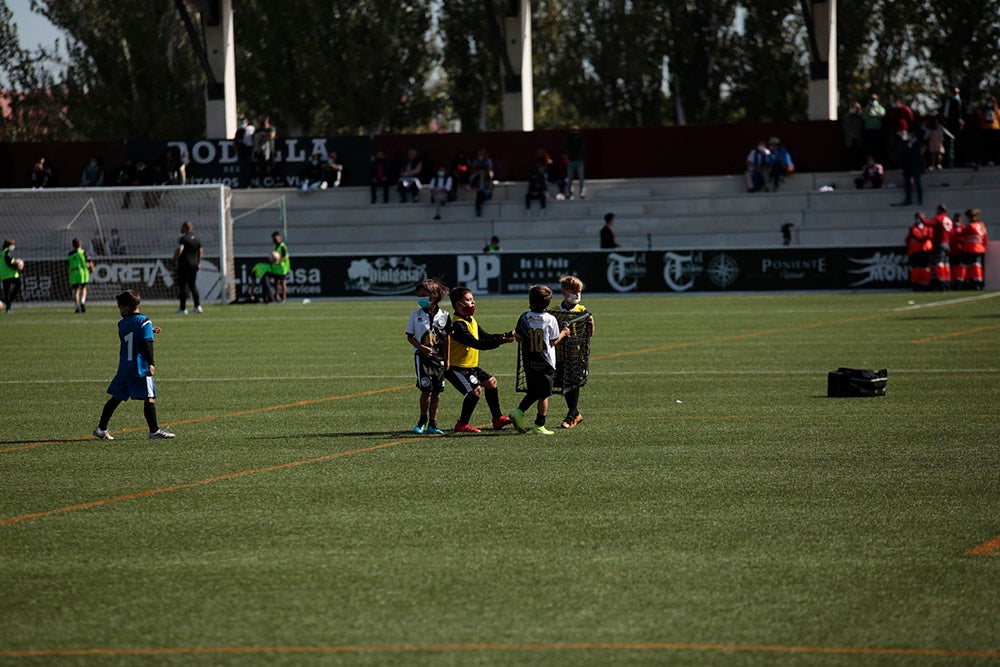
<point x="972" y="258"/>
<point x="942" y="254"/>
<point x="430" y="375"/>
<point x="540" y="382"/>
<point x="467" y="379"/>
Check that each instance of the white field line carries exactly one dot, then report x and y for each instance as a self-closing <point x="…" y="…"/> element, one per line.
<point x="949" y="302"/>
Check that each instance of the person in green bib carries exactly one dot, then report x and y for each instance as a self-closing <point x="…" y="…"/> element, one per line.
<point x="10" y="275"/>
<point x="280" y="267"/>
<point x="80" y="267"/>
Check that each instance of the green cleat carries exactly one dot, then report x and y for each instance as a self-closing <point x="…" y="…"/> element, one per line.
<point x="518" y="418"/>
<point x="541" y="430"/>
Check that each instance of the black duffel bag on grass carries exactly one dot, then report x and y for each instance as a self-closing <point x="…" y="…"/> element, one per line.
<point x="845" y="382"/>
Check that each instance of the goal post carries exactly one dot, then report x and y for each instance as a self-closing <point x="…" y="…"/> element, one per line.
<point x="129" y="233"/>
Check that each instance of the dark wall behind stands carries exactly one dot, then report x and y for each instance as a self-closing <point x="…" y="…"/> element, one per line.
<point x="698" y="150"/>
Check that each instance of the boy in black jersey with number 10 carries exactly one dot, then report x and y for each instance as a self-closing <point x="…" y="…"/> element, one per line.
<point x="538" y="332"/>
<point x="467" y="339"/>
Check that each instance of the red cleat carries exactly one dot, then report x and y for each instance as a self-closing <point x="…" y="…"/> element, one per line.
<point x="465" y="428"/>
<point x="501" y="421"/>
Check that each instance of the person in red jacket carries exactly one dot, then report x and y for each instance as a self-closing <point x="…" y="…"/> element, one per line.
<point x="974" y="242"/>
<point x="941" y="228"/>
<point x="955" y="254"/>
<point x="918" y="252"/>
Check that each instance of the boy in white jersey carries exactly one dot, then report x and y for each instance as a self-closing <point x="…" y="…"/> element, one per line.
<point x="538" y="332"/>
<point x="427" y="331"/>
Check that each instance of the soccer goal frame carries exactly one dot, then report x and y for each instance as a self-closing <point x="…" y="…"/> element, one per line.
<point x="147" y="221"/>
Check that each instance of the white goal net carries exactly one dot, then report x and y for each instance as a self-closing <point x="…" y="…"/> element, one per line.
<point x="129" y="233"/>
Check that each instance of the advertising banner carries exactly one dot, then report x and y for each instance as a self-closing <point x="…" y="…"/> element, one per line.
<point x="216" y="160"/>
<point x="153" y="277"/>
<point x="376" y="275"/>
<point x="646" y="271"/>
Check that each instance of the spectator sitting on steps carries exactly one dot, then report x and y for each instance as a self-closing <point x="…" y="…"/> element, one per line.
<point x="872" y="175"/>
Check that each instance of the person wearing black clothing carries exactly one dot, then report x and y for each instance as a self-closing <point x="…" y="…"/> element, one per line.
<point x="380" y="176"/>
<point x="608" y="234"/>
<point x="911" y="163"/>
<point x="574" y="168"/>
<point x="537" y="186"/>
<point x="187" y="258"/>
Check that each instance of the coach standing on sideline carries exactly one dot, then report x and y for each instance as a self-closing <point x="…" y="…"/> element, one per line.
<point x="187" y="258"/>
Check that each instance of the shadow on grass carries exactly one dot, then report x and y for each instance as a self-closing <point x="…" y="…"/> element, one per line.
<point x="389" y="435"/>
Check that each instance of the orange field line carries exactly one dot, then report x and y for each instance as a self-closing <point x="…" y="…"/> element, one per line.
<point x="188" y="485"/>
<point x="582" y="646"/>
<point x="241" y="413"/>
<point x="920" y="341"/>
<point x="986" y="548"/>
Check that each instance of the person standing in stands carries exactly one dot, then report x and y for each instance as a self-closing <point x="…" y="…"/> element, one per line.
<point x="380" y="176"/>
<point x="574" y="165"/>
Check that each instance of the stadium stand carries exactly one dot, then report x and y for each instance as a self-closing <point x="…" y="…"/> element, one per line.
<point x="679" y="213"/>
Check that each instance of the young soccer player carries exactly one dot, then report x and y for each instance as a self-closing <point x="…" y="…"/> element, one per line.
<point x="80" y="267"/>
<point x="10" y="275"/>
<point x="539" y="333"/>
<point x="572" y="289"/>
<point x="467" y="339"/>
<point x="427" y="332"/>
<point x="280" y="268"/>
<point x="135" y="367"/>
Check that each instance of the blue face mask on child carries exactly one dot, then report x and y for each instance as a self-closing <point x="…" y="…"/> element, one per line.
<point x="424" y="302"/>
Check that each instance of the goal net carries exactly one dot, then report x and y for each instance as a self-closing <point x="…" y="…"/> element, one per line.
<point x="572" y="354"/>
<point x="129" y="233"/>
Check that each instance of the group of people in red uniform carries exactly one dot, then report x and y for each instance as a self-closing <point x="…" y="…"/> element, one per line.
<point x="947" y="254"/>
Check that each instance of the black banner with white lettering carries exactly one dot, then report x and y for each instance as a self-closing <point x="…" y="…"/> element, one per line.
<point x="646" y="271"/>
<point x="611" y="272"/>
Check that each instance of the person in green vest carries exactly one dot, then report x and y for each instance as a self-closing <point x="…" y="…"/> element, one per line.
<point x="280" y="267"/>
<point x="10" y="275"/>
<point x="80" y="267"/>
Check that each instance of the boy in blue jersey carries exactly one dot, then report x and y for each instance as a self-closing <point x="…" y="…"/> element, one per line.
<point x="135" y="367"/>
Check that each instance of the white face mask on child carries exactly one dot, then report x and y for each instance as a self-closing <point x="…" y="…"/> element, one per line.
<point x="573" y="298"/>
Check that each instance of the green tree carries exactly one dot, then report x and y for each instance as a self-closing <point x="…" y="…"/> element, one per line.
<point x="770" y="82"/>
<point x="470" y="60"/>
<point x="129" y="70"/>
<point x="607" y="60"/>
<point x="963" y="41"/>
<point x="700" y="56"/>
<point x="335" y="67"/>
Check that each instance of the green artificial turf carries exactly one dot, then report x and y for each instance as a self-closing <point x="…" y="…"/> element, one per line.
<point x="714" y="507"/>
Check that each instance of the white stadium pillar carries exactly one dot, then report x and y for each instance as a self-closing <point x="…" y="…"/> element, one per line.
<point x="823" y="94"/>
<point x="220" y="102"/>
<point x="518" y="89"/>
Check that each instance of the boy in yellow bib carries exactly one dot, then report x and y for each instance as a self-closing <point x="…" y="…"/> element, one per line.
<point x="467" y="339"/>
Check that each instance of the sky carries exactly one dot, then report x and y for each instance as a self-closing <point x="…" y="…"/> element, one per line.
<point x="33" y="29"/>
